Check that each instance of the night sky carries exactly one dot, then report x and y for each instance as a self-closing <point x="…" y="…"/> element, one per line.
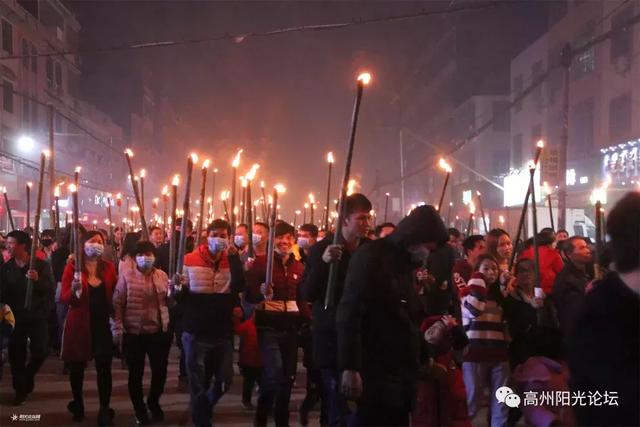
<point x="285" y="99"/>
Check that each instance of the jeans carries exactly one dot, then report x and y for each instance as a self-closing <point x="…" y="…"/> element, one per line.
<point x="136" y="347"/>
<point x="336" y="403"/>
<point x="279" y="351"/>
<point x="477" y="376"/>
<point x="23" y="372"/>
<point x="206" y="357"/>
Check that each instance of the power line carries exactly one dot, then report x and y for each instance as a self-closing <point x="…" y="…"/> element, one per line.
<point x="33" y="165"/>
<point x="66" y="117"/>
<point x="241" y="37"/>
<point x="534" y="84"/>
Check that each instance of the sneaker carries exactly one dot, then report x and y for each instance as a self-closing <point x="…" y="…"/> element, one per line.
<point x="157" y="414"/>
<point x="77" y="409"/>
<point x="20" y="398"/>
<point x="105" y="417"/>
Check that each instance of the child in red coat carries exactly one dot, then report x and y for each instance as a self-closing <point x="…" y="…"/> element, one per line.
<point x="250" y="360"/>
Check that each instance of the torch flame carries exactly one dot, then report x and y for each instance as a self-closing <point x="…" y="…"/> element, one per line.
<point x="478" y="193"/>
<point x="4" y="190"/>
<point x="128" y="152"/>
<point x="46" y="153"/>
<point x="351" y="186"/>
<point x="205" y="164"/>
<point x="252" y="173"/>
<point x="472" y="208"/>
<point x="386" y="194"/>
<point x="501" y="219"/>
<point x="243" y="182"/>
<point x="73" y="188"/>
<point x="119" y="196"/>
<point x="78" y="169"/>
<point x="56" y="191"/>
<point x="29" y="184"/>
<point x="306" y="205"/>
<point x="330" y="158"/>
<point x="176" y="180"/>
<point x="365" y="78"/>
<point x="165" y="190"/>
<point x="215" y="170"/>
<point x="224" y="195"/>
<point x="312" y="199"/>
<point x="531" y="164"/>
<point x="236" y="159"/>
<point x="280" y="188"/>
<point x="298" y="212"/>
<point x="540" y="143"/>
<point x="444" y="165"/>
<point x="143" y="173"/>
<point x="209" y="199"/>
<point x="546" y="187"/>
<point x="156" y="200"/>
<point x="194" y="158"/>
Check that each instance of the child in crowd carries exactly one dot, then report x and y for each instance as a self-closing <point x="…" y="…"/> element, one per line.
<point x="485" y="359"/>
<point x="250" y="361"/>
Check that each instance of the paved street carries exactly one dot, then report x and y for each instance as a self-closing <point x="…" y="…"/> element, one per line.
<point x="52" y="393"/>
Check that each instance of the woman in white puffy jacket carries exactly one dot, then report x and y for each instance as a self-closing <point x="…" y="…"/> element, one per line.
<point x="140" y="329"/>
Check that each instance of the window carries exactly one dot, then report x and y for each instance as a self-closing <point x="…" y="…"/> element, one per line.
<point x="501" y="122"/>
<point x="34" y="59"/>
<point x="581" y="131"/>
<point x="536" y="133"/>
<point x="516" y="151"/>
<point x="517" y="90"/>
<point x="536" y="72"/>
<point x="25" y="112"/>
<point x="500" y="162"/>
<point x="7" y="96"/>
<point x="585" y="62"/>
<point x="622" y="37"/>
<point x="7" y="36"/>
<point x="25" y="54"/>
<point x="49" y="72"/>
<point x="620" y="117"/>
<point x="58" y="76"/>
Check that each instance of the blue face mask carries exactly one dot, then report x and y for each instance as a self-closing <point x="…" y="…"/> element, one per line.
<point x="303" y="242"/>
<point x="93" y="250"/>
<point x="216" y="244"/>
<point x="145" y="263"/>
<point x="238" y="240"/>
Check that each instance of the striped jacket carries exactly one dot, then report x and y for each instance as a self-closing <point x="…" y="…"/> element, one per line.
<point x="483" y="321"/>
<point x="212" y="292"/>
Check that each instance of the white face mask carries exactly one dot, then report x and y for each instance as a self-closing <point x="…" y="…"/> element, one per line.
<point x="239" y="240"/>
<point x="216" y="244"/>
<point x="256" y="238"/>
<point x="145" y="263"/>
<point x="93" y="250"/>
<point x="303" y="242"/>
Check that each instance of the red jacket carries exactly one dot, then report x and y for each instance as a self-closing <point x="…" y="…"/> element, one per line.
<point x="76" y="339"/>
<point x="550" y="265"/>
<point x="249" y="350"/>
<point x="286" y="286"/>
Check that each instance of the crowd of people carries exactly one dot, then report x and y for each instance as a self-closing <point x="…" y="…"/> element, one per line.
<point x="425" y="326"/>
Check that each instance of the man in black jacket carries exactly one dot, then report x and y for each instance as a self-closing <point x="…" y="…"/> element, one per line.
<point x="604" y="351"/>
<point x="378" y="320"/>
<point x="570" y="284"/>
<point x="31" y="324"/>
<point x="323" y="327"/>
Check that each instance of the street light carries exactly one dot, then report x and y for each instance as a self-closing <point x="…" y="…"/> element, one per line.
<point x="26" y="144"/>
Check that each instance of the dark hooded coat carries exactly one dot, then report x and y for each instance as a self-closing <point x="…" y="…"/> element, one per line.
<point x="378" y="317"/>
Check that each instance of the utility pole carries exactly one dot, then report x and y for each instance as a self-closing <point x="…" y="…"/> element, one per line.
<point x="52" y="173"/>
<point x="565" y="59"/>
<point x="402" y="205"/>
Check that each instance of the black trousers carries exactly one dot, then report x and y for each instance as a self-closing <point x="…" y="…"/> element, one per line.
<point x="22" y="371"/>
<point x="103" y="371"/>
<point x="156" y="347"/>
<point x="250" y="376"/>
